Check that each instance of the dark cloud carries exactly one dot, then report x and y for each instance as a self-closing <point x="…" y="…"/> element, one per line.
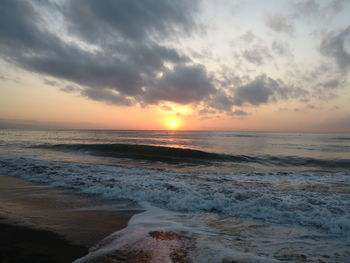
<point x="328" y="88"/>
<point x="206" y="111"/>
<point x="307" y="6"/>
<point x="317" y="9"/>
<point x="324" y="82"/>
<point x="323" y="72"/>
<point x="332" y="84"/>
<point x="257" y="54"/>
<point x="222" y="101"/>
<point x="238" y="113"/>
<point x="253" y="49"/>
<point x="225" y="77"/>
<point x="124" y="66"/>
<point x="261" y="90"/>
<point x="183" y="84"/>
<point x="311" y="106"/>
<point x="20" y="31"/>
<point x="334" y="45"/>
<point x="248" y="37"/>
<point x="279" y="23"/>
<point x="106" y="95"/>
<point x="306" y="108"/>
<point x="52" y="83"/>
<point x="132" y="19"/>
<point x="71" y="88"/>
<point x="281" y="48"/>
<point x="254" y="92"/>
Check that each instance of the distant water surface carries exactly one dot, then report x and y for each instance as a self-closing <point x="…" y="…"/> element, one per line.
<point x="287" y="151"/>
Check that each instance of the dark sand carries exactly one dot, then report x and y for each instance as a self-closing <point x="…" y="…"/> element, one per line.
<point x="25" y="245"/>
<point x="42" y="224"/>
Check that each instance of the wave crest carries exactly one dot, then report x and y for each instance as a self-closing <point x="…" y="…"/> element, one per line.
<point x="175" y="155"/>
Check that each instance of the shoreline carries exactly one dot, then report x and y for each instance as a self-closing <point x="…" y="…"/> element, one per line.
<point x="39" y="223"/>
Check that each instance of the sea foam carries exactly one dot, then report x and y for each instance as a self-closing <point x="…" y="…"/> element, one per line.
<point x="301" y="199"/>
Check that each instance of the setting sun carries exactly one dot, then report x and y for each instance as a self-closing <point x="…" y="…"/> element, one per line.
<point x="172" y="125"/>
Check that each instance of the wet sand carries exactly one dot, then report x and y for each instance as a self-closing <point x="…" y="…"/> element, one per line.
<point x="40" y="224"/>
<point x="22" y="245"/>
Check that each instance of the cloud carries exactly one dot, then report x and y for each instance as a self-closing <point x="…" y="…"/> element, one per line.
<point x="279" y="23"/>
<point x="307" y="6"/>
<point x="257" y="54"/>
<point x="166" y="108"/>
<point x="317" y="9"/>
<point x="253" y="48"/>
<point x="281" y="48"/>
<point x="222" y="101"/>
<point x="183" y="84"/>
<point x="126" y="52"/>
<point x="331" y="84"/>
<point x="238" y="113"/>
<point x="106" y="95"/>
<point x="248" y="37"/>
<point x="334" y="44"/>
<point x="134" y="20"/>
<point x="70" y="88"/>
<point x="66" y="88"/>
<point x="206" y="111"/>
<point x="129" y="52"/>
<point x="261" y="90"/>
<point x="2" y="77"/>
<point x="254" y="92"/>
<point x="8" y="78"/>
<point x="327" y="88"/>
<point x="52" y="83"/>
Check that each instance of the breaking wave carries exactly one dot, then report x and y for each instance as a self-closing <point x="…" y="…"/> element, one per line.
<point x="172" y="154"/>
<point x="246" y="195"/>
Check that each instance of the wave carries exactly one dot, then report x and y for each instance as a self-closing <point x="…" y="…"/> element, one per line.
<point x="242" y="195"/>
<point x="342" y="138"/>
<point x="149" y="152"/>
<point x="186" y="155"/>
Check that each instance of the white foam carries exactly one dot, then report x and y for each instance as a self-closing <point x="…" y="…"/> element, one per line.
<point x="196" y="206"/>
<point x="243" y="195"/>
<point x="136" y="237"/>
<point x="210" y="238"/>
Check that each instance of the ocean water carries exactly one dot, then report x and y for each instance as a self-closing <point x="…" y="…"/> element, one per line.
<point x="207" y="196"/>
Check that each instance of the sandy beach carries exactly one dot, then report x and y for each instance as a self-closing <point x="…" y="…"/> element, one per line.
<point x="42" y="224"/>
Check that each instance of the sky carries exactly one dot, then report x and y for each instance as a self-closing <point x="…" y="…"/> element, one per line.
<point x="267" y="65"/>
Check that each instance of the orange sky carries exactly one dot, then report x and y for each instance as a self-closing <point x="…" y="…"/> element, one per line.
<point x="222" y="66"/>
<point x="21" y="103"/>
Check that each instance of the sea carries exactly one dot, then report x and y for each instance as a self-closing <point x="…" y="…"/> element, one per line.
<point x="205" y="196"/>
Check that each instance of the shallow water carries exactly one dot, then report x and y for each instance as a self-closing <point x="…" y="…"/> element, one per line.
<point x="244" y="197"/>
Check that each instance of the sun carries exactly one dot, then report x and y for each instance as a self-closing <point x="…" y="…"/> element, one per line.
<point x="172" y="125"/>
